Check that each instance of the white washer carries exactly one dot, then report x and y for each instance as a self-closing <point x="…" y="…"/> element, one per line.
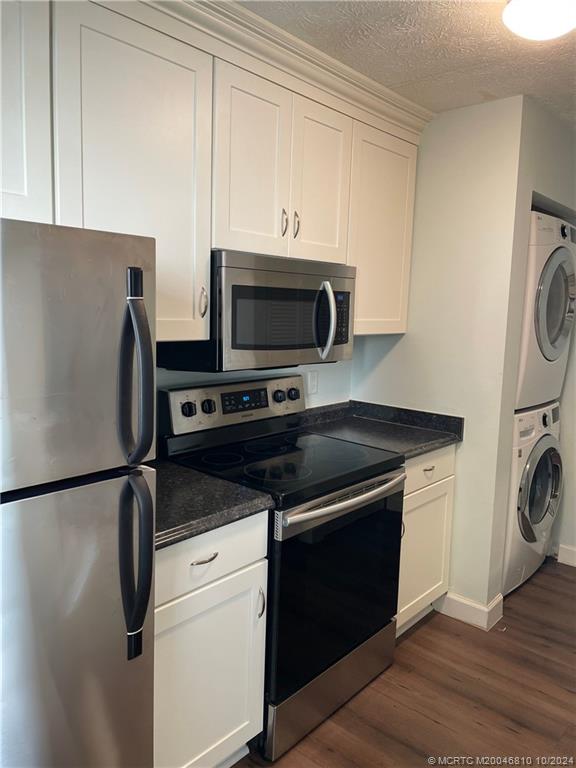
<point x="549" y="306"/>
<point x="536" y="485"/>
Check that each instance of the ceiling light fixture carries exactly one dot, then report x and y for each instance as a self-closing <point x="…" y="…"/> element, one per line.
<point x="540" y="19"/>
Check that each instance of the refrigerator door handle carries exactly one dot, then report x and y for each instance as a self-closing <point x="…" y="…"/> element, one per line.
<point x="135" y="593"/>
<point x="136" y="333"/>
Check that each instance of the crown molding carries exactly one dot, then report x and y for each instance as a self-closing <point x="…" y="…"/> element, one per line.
<point x="232" y="24"/>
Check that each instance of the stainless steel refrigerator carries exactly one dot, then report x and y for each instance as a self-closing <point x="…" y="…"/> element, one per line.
<point x="77" y="514"/>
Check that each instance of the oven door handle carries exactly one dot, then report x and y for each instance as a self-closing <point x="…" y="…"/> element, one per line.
<point x="324" y="352"/>
<point x="346" y="505"/>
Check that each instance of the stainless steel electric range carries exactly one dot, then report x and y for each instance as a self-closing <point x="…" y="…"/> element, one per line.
<point x="334" y="548"/>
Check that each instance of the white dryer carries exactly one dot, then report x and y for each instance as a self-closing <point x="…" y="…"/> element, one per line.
<point x="549" y="306"/>
<point x="536" y="485"/>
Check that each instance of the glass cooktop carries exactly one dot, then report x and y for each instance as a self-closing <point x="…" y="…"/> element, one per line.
<point x="295" y="466"/>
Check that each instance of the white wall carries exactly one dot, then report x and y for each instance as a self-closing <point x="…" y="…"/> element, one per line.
<point x="333" y="380"/>
<point x="452" y="358"/>
<point x="566" y="533"/>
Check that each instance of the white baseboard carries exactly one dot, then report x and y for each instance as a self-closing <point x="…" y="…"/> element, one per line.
<point x="235" y="758"/>
<point x="469" y="611"/>
<point x="567" y="555"/>
<point x="413" y="620"/>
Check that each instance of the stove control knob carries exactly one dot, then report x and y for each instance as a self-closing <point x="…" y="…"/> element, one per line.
<point x="293" y="393"/>
<point x="208" y="406"/>
<point x="188" y="409"/>
<point x="279" y="396"/>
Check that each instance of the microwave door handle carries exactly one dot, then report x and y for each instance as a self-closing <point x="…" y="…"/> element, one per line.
<point x="327" y="286"/>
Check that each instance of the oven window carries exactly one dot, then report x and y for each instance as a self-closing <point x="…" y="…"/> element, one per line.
<point x="279" y="318"/>
<point x="331" y="588"/>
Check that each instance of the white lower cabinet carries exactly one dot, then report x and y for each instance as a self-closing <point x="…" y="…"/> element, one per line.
<point x="425" y="552"/>
<point x="209" y="670"/>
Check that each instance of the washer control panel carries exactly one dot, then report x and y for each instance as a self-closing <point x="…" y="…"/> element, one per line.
<point x="532" y="424"/>
<point x="192" y="409"/>
<point x="549" y="230"/>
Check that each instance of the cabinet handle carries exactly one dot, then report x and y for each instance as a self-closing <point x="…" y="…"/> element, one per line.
<point x="284" y="222"/>
<point x="403" y="529"/>
<point x="263" y="596"/>
<point x="209" y="559"/>
<point x="296" y="224"/>
<point x="430" y="469"/>
<point x="203" y="302"/>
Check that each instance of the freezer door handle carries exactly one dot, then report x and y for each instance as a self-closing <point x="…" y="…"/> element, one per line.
<point x="136" y="334"/>
<point x="135" y="593"/>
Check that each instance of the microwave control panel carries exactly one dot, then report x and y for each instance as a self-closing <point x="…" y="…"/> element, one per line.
<point x="197" y="408"/>
<point x="342" y="316"/>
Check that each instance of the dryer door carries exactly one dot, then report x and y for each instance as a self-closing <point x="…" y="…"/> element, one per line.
<point x="540" y="489"/>
<point x="554" y="307"/>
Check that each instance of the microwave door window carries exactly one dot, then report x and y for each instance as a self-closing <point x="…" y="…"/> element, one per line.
<point x="267" y="318"/>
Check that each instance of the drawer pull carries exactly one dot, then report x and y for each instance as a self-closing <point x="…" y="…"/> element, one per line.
<point x="207" y="560"/>
<point x="430" y="469"/>
<point x="263" y="598"/>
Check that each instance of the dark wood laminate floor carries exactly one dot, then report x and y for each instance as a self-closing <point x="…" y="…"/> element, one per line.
<point x="456" y="690"/>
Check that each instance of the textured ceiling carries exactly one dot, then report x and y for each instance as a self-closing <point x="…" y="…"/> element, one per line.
<point x="440" y="54"/>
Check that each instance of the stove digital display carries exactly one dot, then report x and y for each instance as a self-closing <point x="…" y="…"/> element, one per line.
<point x="246" y="400"/>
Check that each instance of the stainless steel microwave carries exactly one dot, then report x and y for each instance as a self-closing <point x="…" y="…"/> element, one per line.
<point x="270" y="312"/>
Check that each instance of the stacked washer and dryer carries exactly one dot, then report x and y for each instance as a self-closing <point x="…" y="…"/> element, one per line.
<point x="536" y="482"/>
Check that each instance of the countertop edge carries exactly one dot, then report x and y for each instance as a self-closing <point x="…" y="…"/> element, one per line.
<point x="444" y="442"/>
<point x="198" y="527"/>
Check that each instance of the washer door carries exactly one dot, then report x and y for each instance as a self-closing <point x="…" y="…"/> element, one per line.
<point x="554" y="307"/>
<point x="540" y="488"/>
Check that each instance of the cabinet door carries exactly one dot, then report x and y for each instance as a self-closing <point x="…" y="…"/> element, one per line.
<point x="209" y="670"/>
<point x="321" y="152"/>
<point x="425" y="553"/>
<point x="251" y="172"/>
<point x="381" y="212"/>
<point x="133" y="139"/>
<point x="25" y="111"/>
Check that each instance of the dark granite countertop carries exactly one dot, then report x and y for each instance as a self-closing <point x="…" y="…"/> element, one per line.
<point x="409" y="440"/>
<point x="189" y="503"/>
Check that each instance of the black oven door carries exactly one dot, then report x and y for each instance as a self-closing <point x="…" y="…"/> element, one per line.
<point x="273" y="319"/>
<point x="333" y="583"/>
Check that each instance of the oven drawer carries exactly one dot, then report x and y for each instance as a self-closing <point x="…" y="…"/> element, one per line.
<point x="237" y="544"/>
<point x="429" y="468"/>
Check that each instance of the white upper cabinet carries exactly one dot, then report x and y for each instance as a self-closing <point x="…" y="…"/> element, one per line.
<point x="251" y="173"/>
<point x="133" y="130"/>
<point x="281" y="175"/>
<point x="380" y="242"/>
<point x="321" y="152"/>
<point x="26" y="146"/>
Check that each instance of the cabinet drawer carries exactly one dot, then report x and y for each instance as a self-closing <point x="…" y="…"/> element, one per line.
<point x="237" y="545"/>
<point x="429" y="468"/>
